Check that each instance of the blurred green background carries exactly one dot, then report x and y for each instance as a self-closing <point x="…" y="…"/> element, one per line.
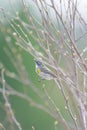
<point x="25" y="113"/>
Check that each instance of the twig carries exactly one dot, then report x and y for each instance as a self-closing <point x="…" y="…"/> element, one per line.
<point x="8" y="106"/>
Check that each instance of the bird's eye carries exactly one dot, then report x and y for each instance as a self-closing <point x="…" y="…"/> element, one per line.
<point x="38" y="62"/>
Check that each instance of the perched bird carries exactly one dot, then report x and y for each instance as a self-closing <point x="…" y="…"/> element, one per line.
<point x="43" y="71"/>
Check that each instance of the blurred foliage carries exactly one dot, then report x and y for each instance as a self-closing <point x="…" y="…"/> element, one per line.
<point x="25" y="113"/>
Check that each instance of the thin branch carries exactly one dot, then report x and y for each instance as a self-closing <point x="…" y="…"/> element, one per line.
<point x="8" y="106"/>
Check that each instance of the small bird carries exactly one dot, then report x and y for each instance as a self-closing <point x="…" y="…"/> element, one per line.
<point x="43" y="71"/>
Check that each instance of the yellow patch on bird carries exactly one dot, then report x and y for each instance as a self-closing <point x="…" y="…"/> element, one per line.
<point x="38" y="70"/>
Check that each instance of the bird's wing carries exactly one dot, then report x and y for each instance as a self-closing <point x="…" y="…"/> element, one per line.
<point x="47" y="71"/>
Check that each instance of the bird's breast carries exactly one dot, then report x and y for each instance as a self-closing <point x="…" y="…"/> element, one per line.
<point x="38" y="70"/>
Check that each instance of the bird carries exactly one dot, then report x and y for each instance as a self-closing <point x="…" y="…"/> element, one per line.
<point x="43" y="71"/>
